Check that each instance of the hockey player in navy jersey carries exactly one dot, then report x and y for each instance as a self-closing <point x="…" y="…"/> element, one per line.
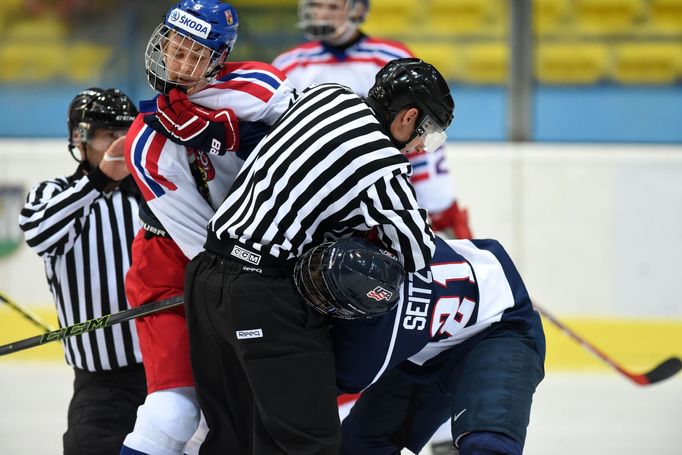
<point x="338" y="51"/>
<point x="459" y="340"/>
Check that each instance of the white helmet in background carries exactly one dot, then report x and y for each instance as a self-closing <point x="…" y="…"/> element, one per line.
<point x="328" y="20"/>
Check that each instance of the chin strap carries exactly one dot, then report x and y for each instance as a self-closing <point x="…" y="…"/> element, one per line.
<point x="84" y="168"/>
<point x="386" y="117"/>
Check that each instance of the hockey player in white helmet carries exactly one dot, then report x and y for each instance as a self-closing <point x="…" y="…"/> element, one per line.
<point x="338" y="51"/>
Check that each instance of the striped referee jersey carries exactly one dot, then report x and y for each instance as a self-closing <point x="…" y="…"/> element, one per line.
<point x="84" y="236"/>
<point x="325" y="171"/>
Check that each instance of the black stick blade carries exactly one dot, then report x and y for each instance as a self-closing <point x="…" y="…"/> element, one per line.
<point x="663" y="371"/>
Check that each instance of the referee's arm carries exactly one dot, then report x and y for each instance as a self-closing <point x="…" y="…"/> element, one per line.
<point x="391" y="204"/>
<point x="55" y="212"/>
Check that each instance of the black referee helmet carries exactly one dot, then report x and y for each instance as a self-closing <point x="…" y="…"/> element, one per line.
<point x="411" y="82"/>
<point x="349" y="279"/>
<point x="95" y="108"/>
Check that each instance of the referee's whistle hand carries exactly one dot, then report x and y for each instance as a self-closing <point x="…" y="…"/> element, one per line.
<point x="113" y="164"/>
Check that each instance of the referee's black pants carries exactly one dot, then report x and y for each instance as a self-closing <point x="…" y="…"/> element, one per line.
<point x="103" y="410"/>
<point x="262" y="360"/>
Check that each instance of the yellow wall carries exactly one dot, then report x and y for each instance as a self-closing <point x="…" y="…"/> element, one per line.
<point x="638" y="345"/>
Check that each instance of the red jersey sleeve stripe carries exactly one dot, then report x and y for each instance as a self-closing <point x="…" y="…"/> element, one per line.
<point x="248" y="87"/>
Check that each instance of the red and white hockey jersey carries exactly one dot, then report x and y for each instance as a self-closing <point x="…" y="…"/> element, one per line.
<point x="255" y="92"/>
<point x="355" y="66"/>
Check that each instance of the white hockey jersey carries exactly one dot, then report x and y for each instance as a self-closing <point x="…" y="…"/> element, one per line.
<point x="255" y="92"/>
<point x="355" y="66"/>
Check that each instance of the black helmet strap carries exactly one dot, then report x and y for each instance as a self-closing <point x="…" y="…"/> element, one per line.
<point x="386" y="115"/>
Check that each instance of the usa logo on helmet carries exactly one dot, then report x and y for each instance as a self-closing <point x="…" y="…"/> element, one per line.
<point x="379" y="294"/>
<point x="228" y="17"/>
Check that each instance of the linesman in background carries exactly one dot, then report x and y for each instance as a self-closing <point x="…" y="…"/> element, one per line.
<point x="331" y="166"/>
<point x="82" y="226"/>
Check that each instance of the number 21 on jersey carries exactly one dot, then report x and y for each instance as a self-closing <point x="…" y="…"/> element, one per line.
<point x="451" y="312"/>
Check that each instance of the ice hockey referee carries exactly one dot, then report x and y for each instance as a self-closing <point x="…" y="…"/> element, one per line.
<point x="331" y="166"/>
<point x="82" y="227"/>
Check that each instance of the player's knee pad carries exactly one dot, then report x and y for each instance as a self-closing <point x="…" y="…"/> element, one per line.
<point x="193" y="445"/>
<point x="165" y="422"/>
<point x="175" y="412"/>
<point x="488" y="443"/>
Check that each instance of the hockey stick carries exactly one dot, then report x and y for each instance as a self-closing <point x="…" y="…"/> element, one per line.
<point x="26" y="313"/>
<point x="659" y="373"/>
<point x="92" y="324"/>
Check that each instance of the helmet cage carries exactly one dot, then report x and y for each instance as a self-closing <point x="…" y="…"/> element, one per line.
<point x="84" y="133"/>
<point x="198" y="64"/>
<point x="310" y="283"/>
<point x="323" y="19"/>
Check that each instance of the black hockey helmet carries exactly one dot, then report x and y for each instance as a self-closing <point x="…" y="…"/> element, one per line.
<point x="96" y="108"/>
<point x="411" y="82"/>
<point x="349" y="279"/>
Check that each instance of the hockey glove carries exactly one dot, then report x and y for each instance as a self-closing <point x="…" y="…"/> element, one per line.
<point x="211" y="131"/>
<point x="453" y="219"/>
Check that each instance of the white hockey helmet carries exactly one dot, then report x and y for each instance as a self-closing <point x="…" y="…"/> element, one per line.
<point x="329" y="19"/>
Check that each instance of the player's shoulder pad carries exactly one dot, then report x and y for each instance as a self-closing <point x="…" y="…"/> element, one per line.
<point x="138" y="128"/>
<point x="296" y="54"/>
<point x="296" y="51"/>
<point x="389" y="45"/>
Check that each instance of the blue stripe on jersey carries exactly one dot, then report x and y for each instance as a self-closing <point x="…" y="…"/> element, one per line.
<point x="418" y="164"/>
<point x="271" y="81"/>
<point x="137" y="162"/>
<point x="284" y="60"/>
<point x="391" y="55"/>
<point x="321" y="51"/>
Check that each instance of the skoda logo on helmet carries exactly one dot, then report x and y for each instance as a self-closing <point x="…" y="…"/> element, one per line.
<point x="189" y="23"/>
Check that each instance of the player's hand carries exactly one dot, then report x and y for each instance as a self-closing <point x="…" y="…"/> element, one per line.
<point x="113" y="164"/>
<point x="211" y="131"/>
